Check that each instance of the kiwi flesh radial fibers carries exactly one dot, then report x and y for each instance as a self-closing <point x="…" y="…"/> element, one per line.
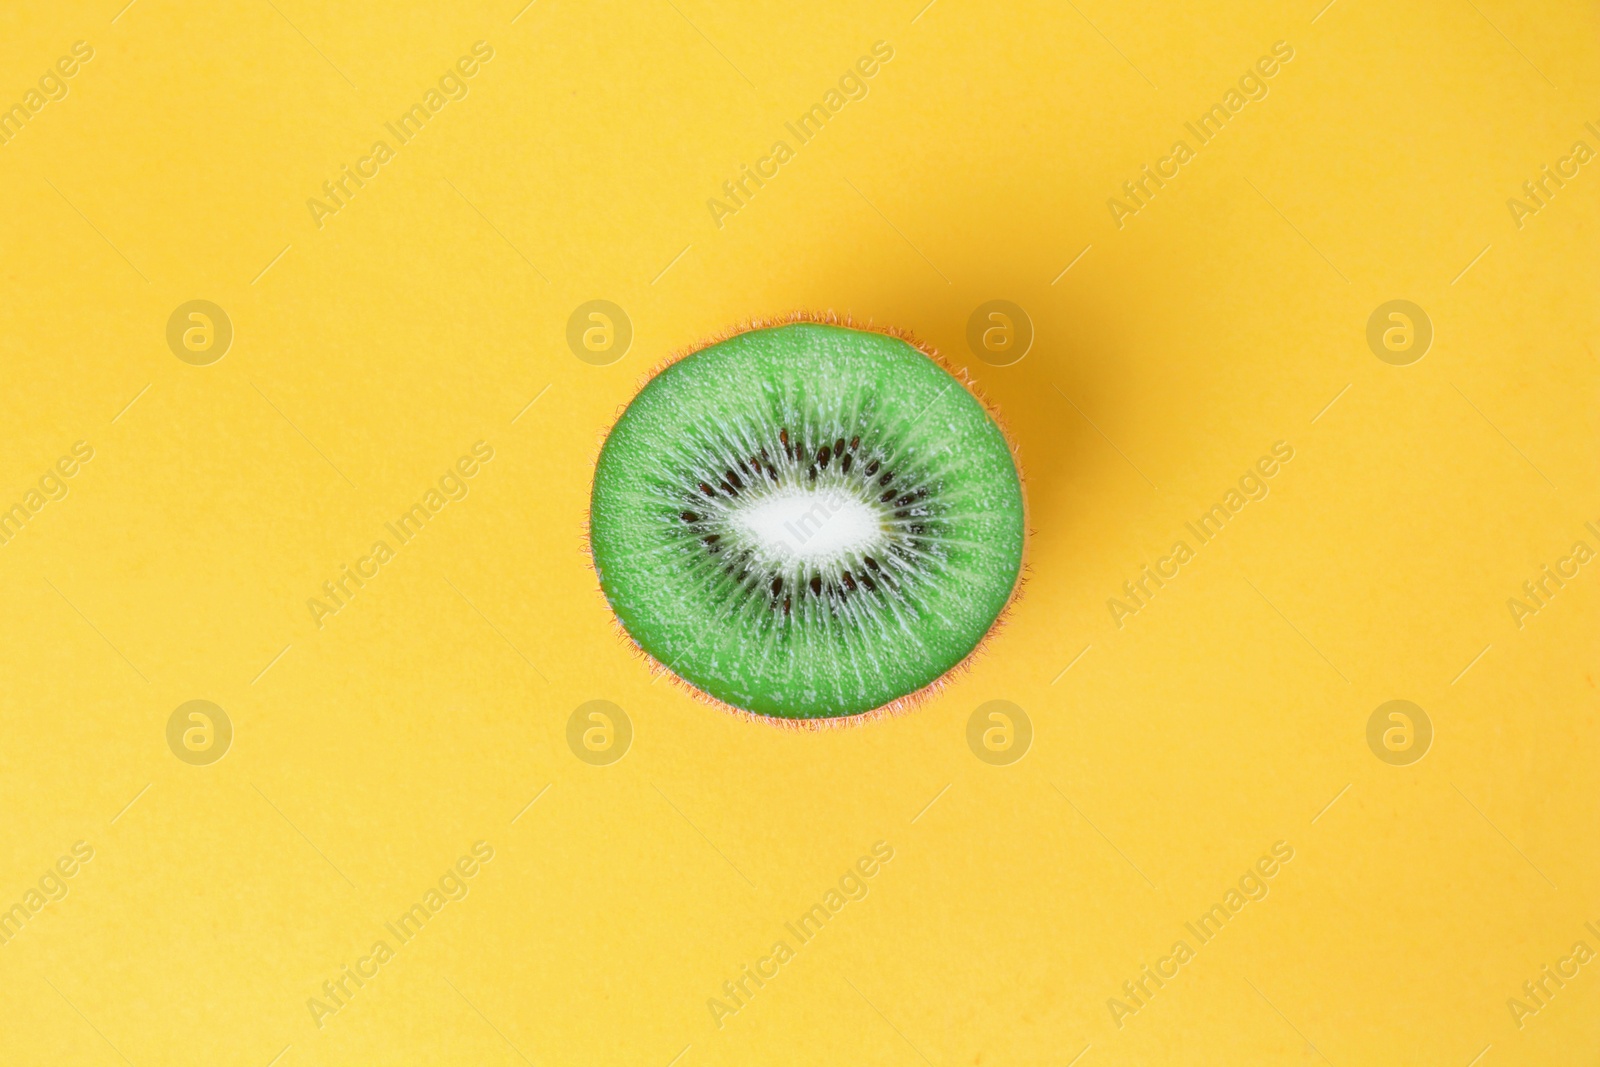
<point x="807" y="521"/>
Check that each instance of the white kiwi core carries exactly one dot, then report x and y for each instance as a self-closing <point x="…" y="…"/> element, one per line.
<point x="809" y="525"/>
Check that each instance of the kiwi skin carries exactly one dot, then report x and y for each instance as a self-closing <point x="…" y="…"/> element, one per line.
<point x="902" y="704"/>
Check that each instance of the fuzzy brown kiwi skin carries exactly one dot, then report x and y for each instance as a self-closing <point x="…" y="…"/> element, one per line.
<point x="900" y="705"/>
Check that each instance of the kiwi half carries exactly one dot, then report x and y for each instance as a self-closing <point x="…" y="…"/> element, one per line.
<point x="807" y="521"/>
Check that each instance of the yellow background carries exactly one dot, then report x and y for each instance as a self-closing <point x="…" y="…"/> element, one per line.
<point x="425" y="715"/>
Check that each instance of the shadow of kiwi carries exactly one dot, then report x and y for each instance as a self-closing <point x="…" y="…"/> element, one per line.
<point x="1067" y="468"/>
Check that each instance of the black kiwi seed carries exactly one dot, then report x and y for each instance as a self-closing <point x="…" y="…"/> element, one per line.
<point x="866" y="580"/>
<point x="786" y="607"/>
<point x="823" y="455"/>
<point x="734" y="480"/>
<point x="777" y="586"/>
<point x="872" y="468"/>
<point x="845" y="466"/>
<point x="886" y="496"/>
<point x="838" y="447"/>
<point x="871" y="562"/>
<point x="903" y="501"/>
<point x="707" y="490"/>
<point x="689" y="516"/>
<point x="816" y="584"/>
<point x="849" y="582"/>
<point x="711" y="539"/>
<point x="855" y="443"/>
<point x="887" y="478"/>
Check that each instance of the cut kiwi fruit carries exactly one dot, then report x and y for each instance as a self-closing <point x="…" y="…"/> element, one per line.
<point x="807" y="521"/>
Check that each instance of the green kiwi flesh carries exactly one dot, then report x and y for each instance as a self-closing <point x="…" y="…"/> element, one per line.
<point x="807" y="521"/>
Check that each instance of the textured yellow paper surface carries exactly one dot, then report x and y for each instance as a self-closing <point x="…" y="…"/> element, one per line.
<point x="403" y="749"/>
